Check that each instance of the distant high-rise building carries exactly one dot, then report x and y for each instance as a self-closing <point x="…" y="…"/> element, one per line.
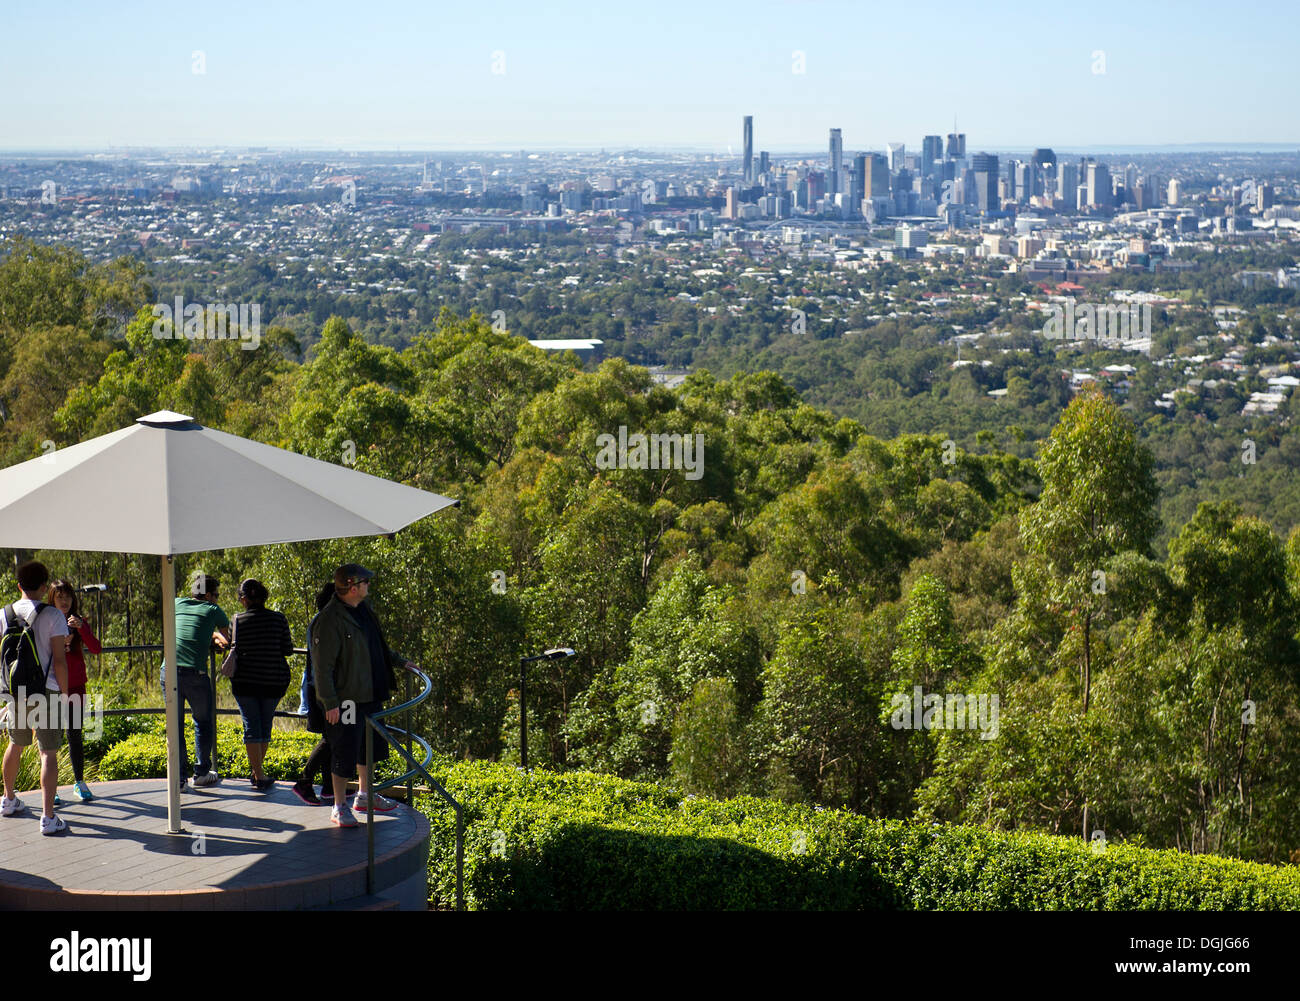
<point x="815" y="183"/>
<point x="956" y="145"/>
<point x="897" y="154"/>
<point x="1020" y="175"/>
<point x="1175" y="190"/>
<point x="1155" y="187"/>
<point x="931" y="150"/>
<point x="877" y="178"/>
<point x="985" y="166"/>
<point x="1067" y="182"/>
<point x="763" y="162"/>
<point x="837" y="163"/>
<point x="967" y="178"/>
<point x="729" y="209"/>
<point x="1099" y="186"/>
<point x="857" y="182"/>
<point x="1043" y="179"/>
<point x="1264" y="196"/>
<point x="749" y="149"/>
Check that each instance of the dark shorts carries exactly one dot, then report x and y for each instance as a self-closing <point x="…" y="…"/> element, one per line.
<point x="347" y="742"/>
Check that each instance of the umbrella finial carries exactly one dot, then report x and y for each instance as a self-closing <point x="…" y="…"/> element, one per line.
<point x="165" y="418"/>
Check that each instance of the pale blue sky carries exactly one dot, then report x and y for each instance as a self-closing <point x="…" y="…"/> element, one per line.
<point x="419" y="75"/>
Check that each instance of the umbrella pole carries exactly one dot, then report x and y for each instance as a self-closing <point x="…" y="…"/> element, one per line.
<point x="175" y="722"/>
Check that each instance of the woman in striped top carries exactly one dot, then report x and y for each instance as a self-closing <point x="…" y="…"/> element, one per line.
<point x="262" y="647"/>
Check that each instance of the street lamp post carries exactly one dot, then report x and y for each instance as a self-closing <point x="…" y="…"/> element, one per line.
<point x="555" y="653"/>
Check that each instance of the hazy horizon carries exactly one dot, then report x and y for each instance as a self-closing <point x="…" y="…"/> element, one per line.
<point x="679" y="76"/>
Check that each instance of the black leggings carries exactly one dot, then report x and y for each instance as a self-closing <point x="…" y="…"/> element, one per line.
<point x="77" y="752"/>
<point x="318" y="761"/>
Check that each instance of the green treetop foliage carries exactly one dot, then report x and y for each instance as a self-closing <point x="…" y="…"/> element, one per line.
<point x="744" y="631"/>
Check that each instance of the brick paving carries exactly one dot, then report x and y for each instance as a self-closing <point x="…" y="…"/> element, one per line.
<point x="257" y="851"/>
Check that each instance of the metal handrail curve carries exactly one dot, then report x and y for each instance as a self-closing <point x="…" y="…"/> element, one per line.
<point x="372" y="726"/>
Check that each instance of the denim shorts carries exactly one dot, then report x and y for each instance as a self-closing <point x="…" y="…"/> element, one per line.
<point x="258" y="714"/>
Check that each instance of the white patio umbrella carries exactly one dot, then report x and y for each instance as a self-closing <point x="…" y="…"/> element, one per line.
<point x="168" y="485"/>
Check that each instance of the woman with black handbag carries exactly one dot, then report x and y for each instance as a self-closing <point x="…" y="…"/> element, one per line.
<point x="258" y="668"/>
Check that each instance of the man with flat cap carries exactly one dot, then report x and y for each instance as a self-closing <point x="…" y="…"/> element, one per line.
<point x="200" y="622"/>
<point x="355" y="671"/>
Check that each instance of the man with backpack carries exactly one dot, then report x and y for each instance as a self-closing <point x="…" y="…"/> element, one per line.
<point x="33" y="665"/>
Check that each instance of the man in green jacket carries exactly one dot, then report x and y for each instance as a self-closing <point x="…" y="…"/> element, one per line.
<point x="353" y="668"/>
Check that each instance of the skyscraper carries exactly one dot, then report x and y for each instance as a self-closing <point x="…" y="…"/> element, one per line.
<point x="837" y="163"/>
<point x="815" y="182"/>
<point x="877" y="182"/>
<point x="1099" y="189"/>
<point x="956" y="145"/>
<point x="749" y="149"/>
<point x="857" y="183"/>
<point x="986" y="181"/>
<point x="1067" y="182"/>
<point x="1019" y="175"/>
<point x="897" y="153"/>
<point x="763" y="162"/>
<point x="931" y="150"/>
<point x="1043" y="179"/>
<point x="1155" y="186"/>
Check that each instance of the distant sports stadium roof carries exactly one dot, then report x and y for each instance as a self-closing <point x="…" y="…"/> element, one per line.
<point x="567" y="345"/>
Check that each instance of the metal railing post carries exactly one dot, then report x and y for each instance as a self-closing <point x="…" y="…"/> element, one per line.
<point x="409" y="728"/>
<point x="370" y="810"/>
<point x="212" y="677"/>
<point x="460" y="858"/>
<point x="373" y="728"/>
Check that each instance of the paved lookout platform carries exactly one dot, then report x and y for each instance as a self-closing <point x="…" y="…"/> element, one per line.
<point x="242" y="850"/>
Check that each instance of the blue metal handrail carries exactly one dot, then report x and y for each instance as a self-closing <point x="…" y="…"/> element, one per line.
<point x="372" y="725"/>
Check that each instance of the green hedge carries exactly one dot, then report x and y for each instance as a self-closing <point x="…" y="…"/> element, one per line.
<point x="143" y="755"/>
<point x="579" y="841"/>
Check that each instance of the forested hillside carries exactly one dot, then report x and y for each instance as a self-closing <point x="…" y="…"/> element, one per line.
<point x="744" y="632"/>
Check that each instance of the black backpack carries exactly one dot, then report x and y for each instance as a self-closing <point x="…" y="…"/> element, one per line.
<point x="20" y="663"/>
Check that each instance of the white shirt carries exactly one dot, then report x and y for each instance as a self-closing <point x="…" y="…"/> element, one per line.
<point x="50" y="623"/>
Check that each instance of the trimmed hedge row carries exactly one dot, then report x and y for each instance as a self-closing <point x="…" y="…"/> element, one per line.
<point x="580" y="841"/>
<point x="143" y="755"/>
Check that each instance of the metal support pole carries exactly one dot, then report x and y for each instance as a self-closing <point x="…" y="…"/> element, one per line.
<point x="212" y="680"/>
<point x="523" y="714"/>
<point x="130" y="641"/>
<point x="370" y="809"/>
<point x="460" y="858"/>
<point x="409" y="730"/>
<point x="171" y="696"/>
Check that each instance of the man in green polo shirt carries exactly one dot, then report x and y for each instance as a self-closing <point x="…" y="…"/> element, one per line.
<point x="200" y="622"/>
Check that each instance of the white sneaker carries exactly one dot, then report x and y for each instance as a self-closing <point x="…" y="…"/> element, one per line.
<point x="342" y="816"/>
<point x="53" y="825"/>
<point x="382" y="804"/>
<point x="8" y="807"/>
<point x="207" y="779"/>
